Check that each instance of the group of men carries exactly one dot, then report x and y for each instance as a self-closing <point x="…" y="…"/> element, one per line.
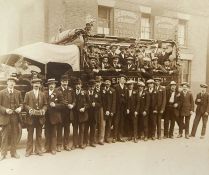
<point x="148" y="60"/>
<point x="99" y="113"/>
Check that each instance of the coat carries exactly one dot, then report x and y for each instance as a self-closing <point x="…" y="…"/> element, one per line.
<point x="5" y="103"/>
<point x="203" y="105"/>
<point x="82" y="101"/>
<point x="131" y="101"/>
<point x="186" y="104"/>
<point x="153" y="101"/>
<point x="161" y="98"/>
<point x="30" y="103"/>
<point x="143" y="102"/>
<point x="54" y="113"/>
<point x="120" y="96"/>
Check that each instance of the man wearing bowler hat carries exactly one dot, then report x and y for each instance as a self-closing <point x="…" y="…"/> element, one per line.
<point x="80" y="115"/>
<point x="161" y="102"/>
<point x="68" y="105"/>
<point x="53" y="116"/>
<point x="171" y="110"/>
<point x="10" y="106"/>
<point x="36" y="104"/>
<point x="186" y="107"/>
<point x="202" y="110"/>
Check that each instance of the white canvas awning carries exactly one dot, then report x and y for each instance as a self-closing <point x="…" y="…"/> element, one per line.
<point x="44" y="53"/>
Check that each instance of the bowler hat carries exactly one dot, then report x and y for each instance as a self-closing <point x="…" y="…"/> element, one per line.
<point x="78" y="81"/>
<point x="64" y="78"/>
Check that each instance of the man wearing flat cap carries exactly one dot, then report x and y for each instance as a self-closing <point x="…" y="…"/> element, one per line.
<point x="202" y="110"/>
<point x="130" y="64"/>
<point x="143" y="102"/>
<point x="36" y="105"/>
<point x="186" y="107"/>
<point x="53" y="116"/>
<point x="171" y="110"/>
<point x="69" y="103"/>
<point x="10" y="106"/>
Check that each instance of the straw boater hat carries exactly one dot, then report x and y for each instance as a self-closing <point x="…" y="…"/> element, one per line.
<point x="172" y="83"/>
<point x="51" y="80"/>
<point x="203" y="85"/>
<point x="150" y="81"/>
<point x="140" y="83"/>
<point x="130" y="82"/>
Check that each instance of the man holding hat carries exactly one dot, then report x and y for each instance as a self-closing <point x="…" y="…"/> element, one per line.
<point x="10" y="106"/>
<point x="69" y="103"/>
<point x="186" y="109"/>
<point x="53" y="116"/>
<point x="202" y="110"/>
<point x="80" y="115"/>
<point x="143" y="102"/>
<point x="36" y="105"/>
<point x="171" y="110"/>
<point x="161" y="102"/>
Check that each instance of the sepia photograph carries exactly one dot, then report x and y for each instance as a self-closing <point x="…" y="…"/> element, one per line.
<point x="104" y="87"/>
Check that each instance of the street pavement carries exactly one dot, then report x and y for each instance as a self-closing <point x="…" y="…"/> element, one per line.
<point x="177" y="156"/>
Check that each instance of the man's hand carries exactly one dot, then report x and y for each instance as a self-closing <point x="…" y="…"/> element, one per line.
<point x="191" y="112"/>
<point x="135" y="113"/>
<point x="161" y="111"/>
<point x="82" y="109"/>
<point x="18" y="110"/>
<point x="111" y="114"/>
<point x="9" y="111"/>
<point x="107" y="113"/>
<point x="52" y="104"/>
<point x="206" y="113"/>
<point x="31" y="112"/>
<point x="144" y="113"/>
<point x="70" y="106"/>
<point x="93" y="104"/>
<point x="155" y="112"/>
<point x="198" y="100"/>
<point x="175" y="105"/>
<point x="128" y="111"/>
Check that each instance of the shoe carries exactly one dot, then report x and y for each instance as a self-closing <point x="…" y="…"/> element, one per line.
<point x="191" y="135"/>
<point x="171" y="137"/>
<point x="92" y="145"/>
<point x="187" y="136"/>
<point x="66" y="148"/>
<point x="135" y="140"/>
<point x="16" y="156"/>
<point x="159" y="138"/>
<point x="179" y="136"/>
<point x="165" y="137"/>
<point x="153" y="138"/>
<point x="121" y="140"/>
<point x="129" y="139"/>
<point x="2" y="157"/>
<point x="113" y="140"/>
<point x="145" y="139"/>
<point x="39" y="154"/>
<point x="58" y="149"/>
<point x="73" y="147"/>
<point x="82" y="146"/>
<point x="202" y="137"/>
<point x="46" y="151"/>
<point x="53" y="152"/>
<point x="101" y="143"/>
<point x="27" y="154"/>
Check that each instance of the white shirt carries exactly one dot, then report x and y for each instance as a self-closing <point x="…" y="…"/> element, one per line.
<point x="36" y="92"/>
<point x="10" y="90"/>
<point x="150" y="90"/>
<point x="130" y="92"/>
<point x="121" y="85"/>
<point x="171" y="100"/>
<point x="78" y="91"/>
<point x="50" y="92"/>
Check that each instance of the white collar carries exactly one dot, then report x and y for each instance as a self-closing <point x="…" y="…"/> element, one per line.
<point x="121" y="85"/>
<point x="9" y="90"/>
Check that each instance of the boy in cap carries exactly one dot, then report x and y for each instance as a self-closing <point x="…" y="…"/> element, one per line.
<point x="36" y="105"/>
<point x="10" y="106"/>
<point x="67" y="111"/>
<point x="53" y="116"/>
<point x="202" y="110"/>
<point x="171" y="110"/>
<point x="186" y="109"/>
<point x="80" y="115"/>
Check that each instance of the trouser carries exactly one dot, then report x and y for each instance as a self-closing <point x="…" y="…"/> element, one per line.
<point x="38" y="141"/>
<point x="152" y="125"/>
<point x="92" y="126"/>
<point x="119" y="122"/>
<point x="143" y="125"/>
<point x="171" y="116"/>
<point x="107" y="126"/>
<point x="184" y="119"/>
<point x="51" y="137"/>
<point x="133" y="125"/>
<point x="63" y="139"/>
<point x="158" y="120"/>
<point x="9" y="131"/>
<point x="196" y="123"/>
<point x="78" y="133"/>
<point x="100" y="127"/>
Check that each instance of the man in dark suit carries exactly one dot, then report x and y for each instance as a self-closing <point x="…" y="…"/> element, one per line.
<point x="53" y="116"/>
<point x="120" y="90"/>
<point x="161" y="102"/>
<point x="80" y="115"/>
<point x="143" y="102"/>
<point x="131" y="96"/>
<point x="130" y="66"/>
<point x="152" y="109"/>
<point x="10" y="107"/>
<point x="186" y="109"/>
<point x="171" y="110"/>
<point x="109" y="108"/>
<point x="202" y="110"/>
<point x="36" y="104"/>
<point x="69" y="103"/>
<point x="95" y="103"/>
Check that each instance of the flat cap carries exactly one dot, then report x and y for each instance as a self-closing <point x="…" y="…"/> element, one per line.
<point x="203" y="85"/>
<point x="150" y="81"/>
<point x="140" y="83"/>
<point x="172" y="83"/>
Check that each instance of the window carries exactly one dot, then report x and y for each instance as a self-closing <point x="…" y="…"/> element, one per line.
<point x="104" y="20"/>
<point x="182" y="28"/>
<point x="145" y="26"/>
<point x="185" y="70"/>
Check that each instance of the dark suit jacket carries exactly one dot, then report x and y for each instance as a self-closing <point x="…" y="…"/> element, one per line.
<point x="120" y="96"/>
<point x="153" y="101"/>
<point x="203" y="105"/>
<point x="131" y="101"/>
<point x="30" y="103"/>
<point x="5" y="103"/>
<point x="109" y="100"/>
<point x="54" y="113"/>
<point x="82" y="101"/>
<point x="186" y="104"/>
<point x="161" y="98"/>
<point x="143" y="102"/>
